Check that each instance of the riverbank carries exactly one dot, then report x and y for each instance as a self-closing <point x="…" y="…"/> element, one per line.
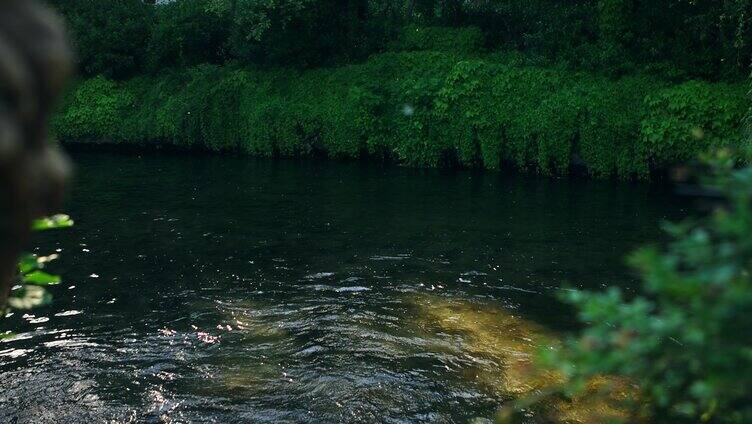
<point x="419" y="108"/>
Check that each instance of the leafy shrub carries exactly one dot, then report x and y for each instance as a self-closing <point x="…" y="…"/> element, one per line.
<point x="94" y="110"/>
<point x="459" y="109"/>
<point x="680" y="121"/>
<point x="528" y="99"/>
<point x="609" y="139"/>
<point x="686" y="342"/>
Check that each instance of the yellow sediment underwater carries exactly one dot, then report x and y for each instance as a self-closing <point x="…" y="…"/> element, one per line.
<point x="504" y="346"/>
<point x="497" y="346"/>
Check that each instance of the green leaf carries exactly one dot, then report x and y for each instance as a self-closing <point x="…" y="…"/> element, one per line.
<point x="52" y="223"/>
<point x="41" y="278"/>
<point x="28" y="263"/>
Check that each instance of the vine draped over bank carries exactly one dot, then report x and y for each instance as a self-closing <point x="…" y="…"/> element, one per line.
<point x="424" y="108"/>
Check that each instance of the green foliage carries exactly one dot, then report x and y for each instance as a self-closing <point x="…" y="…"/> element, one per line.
<point x="32" y="279"/>
<point x="703" y="38"/>
<point x="609" y="138"/>
<point x="419" y="108"/>
<point x="123" y="38"/>
<point x="679" y="121"/>
<point x="185" y="33"/>
<point x="686" y="341"/>
<point x="467" y="40"/>
<point x="304" y="33"/>
<point x="109" y="37"/>
<point x="675" y="38"/>
<point x="52" y="223"/>
<point x="94" y="110"/>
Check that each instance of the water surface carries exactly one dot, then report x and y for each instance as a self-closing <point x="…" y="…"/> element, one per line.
<point x="228" y="289"/>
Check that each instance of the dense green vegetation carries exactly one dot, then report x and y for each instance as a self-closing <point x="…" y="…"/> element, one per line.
<point x="420" y="108"/>
<point x="618" y="86"/>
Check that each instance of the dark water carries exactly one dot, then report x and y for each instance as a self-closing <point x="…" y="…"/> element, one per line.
<point x="222" y="289"/>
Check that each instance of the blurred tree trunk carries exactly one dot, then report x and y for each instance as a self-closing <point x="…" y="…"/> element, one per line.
<point x="35" y="62"/>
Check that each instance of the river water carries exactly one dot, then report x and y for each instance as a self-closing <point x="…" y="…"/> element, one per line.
<point x="229" y="289"/>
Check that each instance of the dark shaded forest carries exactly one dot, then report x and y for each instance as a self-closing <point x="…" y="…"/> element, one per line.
<point x="677" y="39"/>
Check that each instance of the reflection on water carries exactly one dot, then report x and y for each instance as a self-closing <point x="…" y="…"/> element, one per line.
<point x="220" y="289"/>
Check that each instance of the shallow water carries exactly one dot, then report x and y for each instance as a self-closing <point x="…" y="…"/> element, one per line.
<point x="228" y="289"/>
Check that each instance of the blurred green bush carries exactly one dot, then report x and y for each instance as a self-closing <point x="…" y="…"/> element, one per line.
<point x="684" y="344"/>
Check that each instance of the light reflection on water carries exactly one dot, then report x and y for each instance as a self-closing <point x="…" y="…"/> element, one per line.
<point x="234" y="290"/>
